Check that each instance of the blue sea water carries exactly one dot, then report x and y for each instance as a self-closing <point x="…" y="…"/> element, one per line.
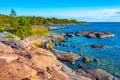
<point x="109" y="57"/>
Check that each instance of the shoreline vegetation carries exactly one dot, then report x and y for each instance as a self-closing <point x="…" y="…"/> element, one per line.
<point x="27" y="53"/>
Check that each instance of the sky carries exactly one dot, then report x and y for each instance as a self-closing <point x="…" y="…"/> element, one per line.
<point x="82" y="10"/>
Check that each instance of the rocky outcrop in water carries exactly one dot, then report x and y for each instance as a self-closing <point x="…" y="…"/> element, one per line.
<point x="54" y="28"/>
<point x="97" y="46"/>
<point x="90" y="34"/>
<point x="66" y="56"/>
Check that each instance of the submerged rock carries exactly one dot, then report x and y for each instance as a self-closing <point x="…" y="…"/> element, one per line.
<point x="86" y="60"/>
<point x="70" y="35"/>
<point x="97" y="46"/>
<point x="96" y="60"/>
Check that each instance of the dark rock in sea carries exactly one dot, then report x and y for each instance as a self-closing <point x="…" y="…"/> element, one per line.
<point x="86" y="60"/>
<point x="81" y="54"/>
<point x="60" y="44"/>
<point x="70" y="35"/>
<point x="66" y="46"/>
<point x="63" y="45"/>
<point x="79" y="48"/>
<point x="69" y="51"/>
<point x="74" y="46"/>
<point x="96" y="60"/>
<point x="97" y="46"/>
<point x="56" y="44"/>
<point x="100" y="74"/>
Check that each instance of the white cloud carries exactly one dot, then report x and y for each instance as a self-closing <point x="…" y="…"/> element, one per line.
<point x="80" y="14"/>
<point x="97" y="15"/>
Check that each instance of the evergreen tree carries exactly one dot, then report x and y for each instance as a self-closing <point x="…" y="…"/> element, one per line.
<point x="13" y="13"/>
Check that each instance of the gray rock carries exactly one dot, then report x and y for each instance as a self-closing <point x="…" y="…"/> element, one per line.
<point x="100" y="74"/>
<point x="85" y="74"/>
<point x="66" y="57"/>
<point x="91" y="35"/>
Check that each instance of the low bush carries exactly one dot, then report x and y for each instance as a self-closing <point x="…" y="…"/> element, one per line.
<point x="37" y="43"/>
<point x="40" y="31"/>
<point x="9" y="35"/>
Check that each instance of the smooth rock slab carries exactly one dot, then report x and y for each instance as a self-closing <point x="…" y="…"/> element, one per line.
<point x="8" y="57"/>
<point x="100" y="74"/>
<point x="5" y="48"/>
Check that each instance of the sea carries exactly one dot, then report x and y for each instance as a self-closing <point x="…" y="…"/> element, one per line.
<point x="109" y="57"/>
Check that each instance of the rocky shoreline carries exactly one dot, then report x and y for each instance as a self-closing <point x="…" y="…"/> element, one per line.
<point x="22" y="60"/>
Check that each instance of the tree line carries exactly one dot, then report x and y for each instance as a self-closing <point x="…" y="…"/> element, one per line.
<point x="33" y="20"/>
<point x="21" y="26"/>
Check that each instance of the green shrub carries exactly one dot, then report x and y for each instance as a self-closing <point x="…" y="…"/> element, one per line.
<point x="21" y="27"/>
<point x="40" y="31"/>
<point x="2" y="28"/>
<point x="37" y="43"/>
<point x="9" y="35"/>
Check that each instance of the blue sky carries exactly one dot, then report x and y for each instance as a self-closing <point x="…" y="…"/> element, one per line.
<point x="83" y="10"/>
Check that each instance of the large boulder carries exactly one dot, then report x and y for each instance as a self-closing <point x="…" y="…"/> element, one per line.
<point x="83" y="33"/>
<point x="66" y="57"/>
<point x="91" y="35"/>
<point x="100" y="74"/>
<point x="74" y="75"/>
<point x="104" y="34"/>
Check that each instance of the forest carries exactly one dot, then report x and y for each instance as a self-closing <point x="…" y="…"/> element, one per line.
<point x="21" y="26"/>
